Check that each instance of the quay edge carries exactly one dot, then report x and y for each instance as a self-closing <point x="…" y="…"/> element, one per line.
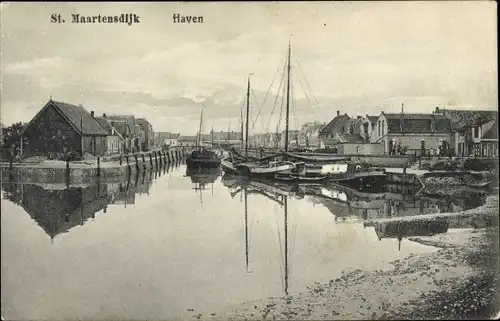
<point x="83" y="172"/>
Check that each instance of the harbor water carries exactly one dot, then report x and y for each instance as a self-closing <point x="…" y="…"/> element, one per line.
<point x="161" y="245"/>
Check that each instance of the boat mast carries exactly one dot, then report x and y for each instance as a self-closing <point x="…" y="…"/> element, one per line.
<point x="241" y="127"/>
<point x="288" y="96"/>
<point x="246" y="120"/>
<point x="212" y="136"/>
<point x="286" y="245"/>
<point x="199" y="131"/>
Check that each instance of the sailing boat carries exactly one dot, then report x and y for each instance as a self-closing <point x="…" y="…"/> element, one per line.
<point x="251" y="166"/>
<point x="200" y="157"/>
<point x="271" y="165"/>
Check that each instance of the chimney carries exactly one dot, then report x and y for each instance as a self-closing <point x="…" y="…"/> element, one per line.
<point x="104" y="115"/>
<point x="338" y="112"/>
<point x="92" y="113"/>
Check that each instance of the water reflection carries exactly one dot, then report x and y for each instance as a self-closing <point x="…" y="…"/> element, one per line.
<point x="202" y="177"/>
<point x="400" y="229"/>
<point x="350" y="205"/>
<point x="279" y="194"/>
<point x="59" y="207"/>
<point x="265" y="237"/>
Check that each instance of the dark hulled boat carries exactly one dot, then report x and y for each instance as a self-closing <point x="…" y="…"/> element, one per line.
<point x="203" y="159"/>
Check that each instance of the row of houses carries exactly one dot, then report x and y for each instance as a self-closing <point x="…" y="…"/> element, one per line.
<point x="459" y="132"/>
<point x="61" y="128"/>
<point x="217" y="138"/>
<point x="450" y="131"/>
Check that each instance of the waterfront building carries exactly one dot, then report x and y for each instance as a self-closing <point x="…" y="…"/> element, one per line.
<point x="115" y="141"/>
<point x="473" y="132"/>
<point x="59" y="128"/>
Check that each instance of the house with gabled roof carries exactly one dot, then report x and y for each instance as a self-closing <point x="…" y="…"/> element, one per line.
<point x="129" y="129"/>
<point x="146" y="129"/>
<point x="349" y="136"/>
<point x="114" y="139"/>
<point x="413" y="132"/>
<point x="59" y="128"/>
<point x="473" y="131"/>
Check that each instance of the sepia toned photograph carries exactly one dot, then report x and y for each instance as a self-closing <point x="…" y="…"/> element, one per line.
<point x="249" y="160"/>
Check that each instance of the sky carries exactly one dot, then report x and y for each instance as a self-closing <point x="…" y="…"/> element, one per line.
<point x="358" y="58"/>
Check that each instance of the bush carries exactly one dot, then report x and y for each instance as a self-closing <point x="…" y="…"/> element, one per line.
<point x="445" y="165"/>
<point x="473" y="164"/>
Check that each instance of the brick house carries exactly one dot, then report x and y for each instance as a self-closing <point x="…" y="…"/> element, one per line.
<point x="338" y="125"/>
<point x="368" y="125"/>
<point x="474" y="132"/>
<point x="60" y="128"/>
<point x="411" y="131"/>
<point x="115" y="140"/>
<point x="149" y="134"/>
<point x="126" y="126"/>
<point x="349" y="136"/>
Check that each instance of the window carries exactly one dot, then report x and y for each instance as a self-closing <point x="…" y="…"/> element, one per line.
<point x="378" y="127"/>
<point x="476" y="132"/>
<point x="383" y="125"/>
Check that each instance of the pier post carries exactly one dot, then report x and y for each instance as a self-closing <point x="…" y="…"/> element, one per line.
<point x="156" y="160"/>
<point x="128" y="164"/>
<point x="169" y="156"/>
<point x="159" y="156"/>
<point x="404" y="175"/>
<point x="143" y="162"/>
<point x="121" y="159"/>
<point x="67" y="170"/>
<point x="98" y="166"/>
<point x="136" y="162"/>
<point x="151" y="160"/>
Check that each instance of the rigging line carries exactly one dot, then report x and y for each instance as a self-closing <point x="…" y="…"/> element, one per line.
<point x="305" y="94"/>
<point x="277" y="95"/>
<point x="305" y="79"/>
<point x="258" y="114"/>
<point x="295" y="109"/>
<point x="283" y="98"/>
<point x="270" y="86"/>
<point x="278" y="129"/>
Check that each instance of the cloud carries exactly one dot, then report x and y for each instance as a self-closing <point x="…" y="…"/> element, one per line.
<point x="356" y="57"/>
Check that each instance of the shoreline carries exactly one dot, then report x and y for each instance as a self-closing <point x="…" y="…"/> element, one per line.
<point x="459" y="280"/>
<point x="89" y="170"/>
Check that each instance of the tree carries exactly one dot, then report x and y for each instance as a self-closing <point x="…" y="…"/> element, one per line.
<point x="11" y="135"/>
